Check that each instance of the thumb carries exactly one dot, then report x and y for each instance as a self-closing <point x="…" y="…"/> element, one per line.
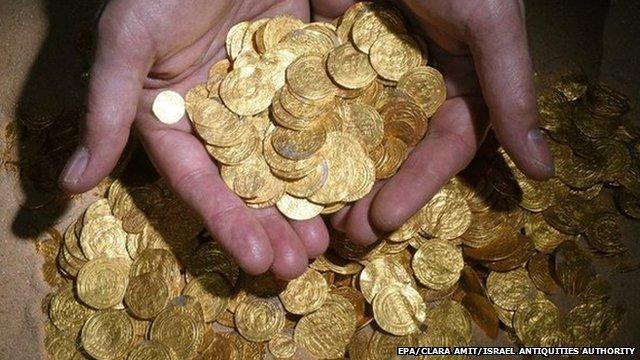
<point x="123" y="59"/>
<point x="498" y="42"/>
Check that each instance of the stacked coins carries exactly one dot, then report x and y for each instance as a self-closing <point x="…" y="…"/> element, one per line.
<point x="137" y="277"/>
<point x="308" y="116"/>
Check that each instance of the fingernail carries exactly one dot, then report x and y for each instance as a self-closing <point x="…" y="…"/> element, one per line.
<point x="75" y="166"/>
<point x="538" y="151"/>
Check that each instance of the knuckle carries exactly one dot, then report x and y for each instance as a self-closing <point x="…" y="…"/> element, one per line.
<point x="458" y="142"/>
<point x="192" y="178"/>
<point x="219" y="215"/>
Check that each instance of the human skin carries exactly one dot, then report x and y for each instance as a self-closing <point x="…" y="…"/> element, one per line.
<point x="148" y="46"/>
<point x="481" y="48"/>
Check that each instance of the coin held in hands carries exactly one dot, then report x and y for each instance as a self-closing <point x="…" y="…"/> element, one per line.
<point x="168" y="107"/>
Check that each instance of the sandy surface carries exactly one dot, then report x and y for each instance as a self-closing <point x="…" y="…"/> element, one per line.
<point x="42" y="77"/>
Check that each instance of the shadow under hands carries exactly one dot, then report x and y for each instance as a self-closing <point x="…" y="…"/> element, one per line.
<point x="50" y="107"/>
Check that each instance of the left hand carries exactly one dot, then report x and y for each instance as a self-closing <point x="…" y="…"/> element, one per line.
<point x="481" y="49"/>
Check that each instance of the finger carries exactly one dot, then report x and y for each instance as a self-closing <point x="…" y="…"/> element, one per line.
<point x="454" y="135"/>
<point x="359" y="225"/>
<point x="123" y="59"/>
<point x="327" y="10"/>
<point x="459" y="73"/>
<point x="498" y="42"/>
<point x="289" y="255"/>
<point x="183" y="161"/>
<point x="339" y="219"/>
<point x="313" y="234"/>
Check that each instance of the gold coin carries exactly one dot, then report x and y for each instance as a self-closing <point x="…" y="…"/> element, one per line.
<point x="425" y="85"/>
<point x="217" y="72"/>
<point x="299" y="108"/>
<point x="68" y="264"/>
<point x="305" y="293"/>
<point x="71" y="242"/>
<point x="535" y="317"/>
<point x="363" y="179"/>
<point x="247" y="180"/>
<point x="333" y="208"/>
<point x="102" y="282"/>
<point x="307" y="77"/>
<point x="326" y="29"/>
<point x="379" y="273"/>
<point x="340" y="150"/>
<point x="306" y="41"/>
<point x="297" y="208"/>
<point x="392" y="55"/>
<point x="499" y="248"/>
<point x="147" y="294"/>
<point x="451" y="317"/>
<point x="629" y="204"/>
<point x="66" y="313"/>
<point x="212" y="291"/>
<point x="363" y="316"/>
<point x="234" y="39"/>
<point x="509" y="289"/>
<point x="544" y="236"/>
<point x="365" y="124"/>
<point x="437" y="264"/>
<point x="168" y="107"/>
<point x="282" y="346"/>
<point x="309" y="183"/>
<point x="249" y="45"/>
<point x="349" y="67"/>
<point x="446" y="215"/>
<point x="370" y="25"/>
<point x="348" y="18"/>
<point x="298" y="145"/>
<point x="210" y="257"/>
<point x="98" y="208"/>
<point x="405" y="120"/>
<point x="284" y="118"/>
<point x="326" y="332"/>
<point x="152" y="350"/>
<point x="540" y="272"/>
<point x="103" y="236"/>
<point x="245" y="92"/>
<point x="217" y="125"/>
<point x="180" y="328"/>
<point x="482" y="313"/>
<point x="399" y="309"/>
<point x="569" y="215"/>
<point x="259" y="319"/>
<point x="236" y="154"/>
<point x="62" y="348"/>
<point x="161" y="260"/>
<point x="277" y="28"/>
<point x="107" y="334"/>
<point x="395" y="153"/>
<point x="604" y="234"/>
<point x="192" y="100"/>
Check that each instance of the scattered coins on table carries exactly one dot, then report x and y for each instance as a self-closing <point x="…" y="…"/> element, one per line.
<point x="307" y="117"/>
<point x="137" y="276"/>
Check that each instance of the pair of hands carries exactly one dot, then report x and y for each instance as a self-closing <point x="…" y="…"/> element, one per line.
<point x="147" y="46"/>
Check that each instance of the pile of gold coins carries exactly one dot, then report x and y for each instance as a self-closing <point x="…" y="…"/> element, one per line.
<point x="308" y="117"/>
<point x="137" y="277"/>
